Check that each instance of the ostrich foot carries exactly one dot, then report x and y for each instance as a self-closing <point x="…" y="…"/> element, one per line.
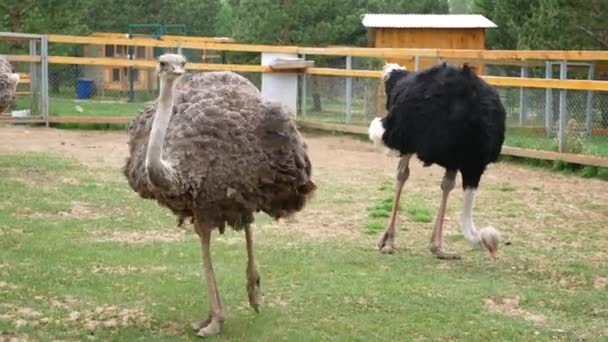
<point x="214" y="327"/>
<point x="386" y="245"/>
<point x="442" y="254"/>
<point x="253" y="291"/>
<point x="198" y="325"/>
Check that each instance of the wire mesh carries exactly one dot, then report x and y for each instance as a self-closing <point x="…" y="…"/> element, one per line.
<point x="28" y="99"/>
<point x="533" y="114"/>
<point x="106" y="90"/>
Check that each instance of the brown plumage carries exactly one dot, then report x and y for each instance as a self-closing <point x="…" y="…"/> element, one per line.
<point x="230" y="153"/>
<point x="8" y="85"/>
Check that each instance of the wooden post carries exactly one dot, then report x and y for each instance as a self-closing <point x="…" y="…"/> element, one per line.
<point x="589" y="107"/>
<point x="548" y="100"/>
<point x="563" y="119"/>
<point x="349" y="90"/>
<point x="416" y="63"/>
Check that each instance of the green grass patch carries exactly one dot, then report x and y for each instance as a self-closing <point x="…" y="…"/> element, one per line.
<point x="374" y="227"/>
<point x="71" y="268"/>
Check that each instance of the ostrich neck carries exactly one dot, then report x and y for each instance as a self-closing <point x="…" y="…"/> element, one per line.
<point x="159" y="171"/>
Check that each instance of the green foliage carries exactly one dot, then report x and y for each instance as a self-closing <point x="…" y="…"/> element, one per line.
<point x="588" y="171"/>
<point x="545" y="24"/>
<point x="318" y="22"/>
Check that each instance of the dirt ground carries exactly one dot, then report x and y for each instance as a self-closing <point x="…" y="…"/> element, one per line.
<point x="515" y="198"/>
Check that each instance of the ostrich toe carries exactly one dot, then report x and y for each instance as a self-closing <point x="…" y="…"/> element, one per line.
<point x="253" y="291"/>
<point x="386" y="245"/>
<point x="440" y="253"/>
<point x="213" y="328"/>
<point x="198" y="325"/>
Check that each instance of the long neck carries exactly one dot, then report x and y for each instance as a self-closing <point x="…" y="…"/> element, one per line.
<point x="159" y="171"/>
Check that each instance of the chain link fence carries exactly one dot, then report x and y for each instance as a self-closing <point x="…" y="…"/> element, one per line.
<point x="110" y="91"/>
<point x="533" y="114"/>
<point x="544" y="119"/>
<point x="23" y="52"/>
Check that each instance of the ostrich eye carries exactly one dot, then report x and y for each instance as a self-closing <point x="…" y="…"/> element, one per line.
<point x="183" y="64"/>
<point x="163" y="64"/>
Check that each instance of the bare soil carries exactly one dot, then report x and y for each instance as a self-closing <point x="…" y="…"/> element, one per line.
<point x="524" y="203"/>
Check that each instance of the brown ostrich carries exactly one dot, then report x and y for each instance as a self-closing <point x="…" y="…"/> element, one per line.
<point x="214" y="151"/>
<point x="8" y="85"/>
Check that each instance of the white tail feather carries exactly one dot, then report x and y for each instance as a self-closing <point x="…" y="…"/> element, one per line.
<point x="376" y="130"/>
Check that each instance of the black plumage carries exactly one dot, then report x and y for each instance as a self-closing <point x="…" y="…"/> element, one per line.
<point x="447" y="116"/>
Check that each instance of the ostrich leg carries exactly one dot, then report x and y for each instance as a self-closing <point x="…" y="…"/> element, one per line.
<point x="213" y="324"/>
<point x="253" y="277"/>
<point x="468" y="227"/>
<point x="387" y="242"/>
<point x="449" y="179"/>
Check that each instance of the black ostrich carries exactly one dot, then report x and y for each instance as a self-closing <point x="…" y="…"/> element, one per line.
<point x="447" y="116"/>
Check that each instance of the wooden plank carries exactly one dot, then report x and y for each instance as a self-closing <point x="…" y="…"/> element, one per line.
<point x="7" y="119"/>
<point x="150" y="42"/>
<point x="90" y="119"/>
<point x="22" y="58"/>
<point x="228" y="67"/>
<point x="549" y="155"/>
<point x="547" y="83"/>
<point x="199" y="39"/>
<point x="167" y="37"/>
<point x="368" y="52"/>
<point x="22" y="93"/>
<point x="90" y="40"/>
<point x="343" y="72"/>
<point x="332" y="127"/>
<point x="494" y="80"/>
<point x="117" y="62"/>
<point x="340" y="51"/>
<point x="587" y="55"/>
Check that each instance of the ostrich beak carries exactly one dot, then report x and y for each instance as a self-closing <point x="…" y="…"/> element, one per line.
<point x="14" y="78"/>
<point x="489" y="238"/>
<point x="492" y="252"/>
<point x="178" y="70"/>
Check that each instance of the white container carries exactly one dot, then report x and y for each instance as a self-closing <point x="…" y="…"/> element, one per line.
<point x="21" y="113"/>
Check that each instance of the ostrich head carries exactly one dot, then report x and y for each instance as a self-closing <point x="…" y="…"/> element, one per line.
<point x="14" y="78"/>
<point x="388" y="68"/>
<point x="171" y="66"/>
<point x="489" y="238"/>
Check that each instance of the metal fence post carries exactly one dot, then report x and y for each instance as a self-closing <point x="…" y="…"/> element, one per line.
<point x="33" y="71"/>
<point x="349" y="90"/>
<point x="303" y="92"/>
<point x="44" y="79"/>
<point x="523" y="101"/>
<point x="589" y="107"/>
<point x="563" y="143"/>
<point x="416" y="63"/>
<point x="548" y="100"/>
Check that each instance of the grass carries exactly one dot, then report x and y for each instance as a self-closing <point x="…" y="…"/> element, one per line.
<point x="415" y="207"/>
<point x="62" y="276"/>
<point x="594" y="145"/>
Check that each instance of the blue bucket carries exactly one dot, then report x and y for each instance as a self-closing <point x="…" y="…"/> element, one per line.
<point x="84" y="88"/>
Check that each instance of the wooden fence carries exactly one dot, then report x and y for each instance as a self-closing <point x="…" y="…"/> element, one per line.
<point x="499" y="57"/>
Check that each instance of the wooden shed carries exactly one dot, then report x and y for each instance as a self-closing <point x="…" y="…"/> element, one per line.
<point x="426" y="31"/>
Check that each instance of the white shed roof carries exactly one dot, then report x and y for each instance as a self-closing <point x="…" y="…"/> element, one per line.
<point x="427" y="21"/>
